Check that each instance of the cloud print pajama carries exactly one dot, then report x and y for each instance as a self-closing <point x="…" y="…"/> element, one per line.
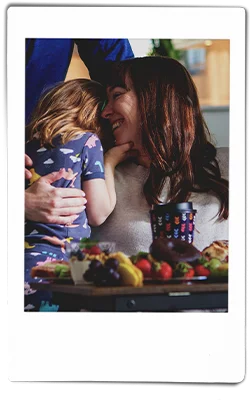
<point x="82" y="159"/>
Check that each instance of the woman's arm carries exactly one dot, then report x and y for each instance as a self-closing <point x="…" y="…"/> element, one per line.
<point x="45" y="203"/>
<point x="98" y="53"/>
<point x="101" y="193"/>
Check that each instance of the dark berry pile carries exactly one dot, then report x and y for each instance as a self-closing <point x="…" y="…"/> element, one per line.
<point x="78" y="254"/>
<point x="103" y="274"/>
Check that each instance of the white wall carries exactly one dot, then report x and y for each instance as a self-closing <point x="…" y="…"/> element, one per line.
<point x="217" y="119"/>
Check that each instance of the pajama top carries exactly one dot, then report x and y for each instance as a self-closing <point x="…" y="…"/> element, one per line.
<point x="82" y="159"/>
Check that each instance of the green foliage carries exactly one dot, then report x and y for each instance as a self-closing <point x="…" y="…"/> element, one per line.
<point x="165" y="47"/>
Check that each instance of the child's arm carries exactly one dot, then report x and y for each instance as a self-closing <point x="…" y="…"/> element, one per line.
<point x="100" y="193"/>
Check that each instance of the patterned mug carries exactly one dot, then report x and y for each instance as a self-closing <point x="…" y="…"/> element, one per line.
<point x="173" y="220"/>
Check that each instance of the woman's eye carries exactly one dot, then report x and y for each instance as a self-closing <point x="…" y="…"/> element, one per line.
<point x="116" y="94"/>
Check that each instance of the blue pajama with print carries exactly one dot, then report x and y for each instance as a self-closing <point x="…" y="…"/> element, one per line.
<point x="82" y="160"/>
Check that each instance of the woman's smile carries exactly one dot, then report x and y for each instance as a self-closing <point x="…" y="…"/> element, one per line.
<point x="117" y="124"/>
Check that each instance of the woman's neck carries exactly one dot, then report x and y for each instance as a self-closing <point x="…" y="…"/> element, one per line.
<point x="144" y="161"/>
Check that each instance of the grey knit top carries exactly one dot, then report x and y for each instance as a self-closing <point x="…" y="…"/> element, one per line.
<point x="129" y="224"/>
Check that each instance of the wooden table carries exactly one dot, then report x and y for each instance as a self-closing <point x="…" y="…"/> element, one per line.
<point x="150" y="297"/>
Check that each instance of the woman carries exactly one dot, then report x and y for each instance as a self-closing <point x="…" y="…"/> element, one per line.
<point x="152" y="101"/>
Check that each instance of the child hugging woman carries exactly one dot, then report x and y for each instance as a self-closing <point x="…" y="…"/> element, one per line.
<point x="63" y="136"/>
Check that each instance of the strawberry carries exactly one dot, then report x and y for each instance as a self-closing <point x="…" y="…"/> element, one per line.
<point x="183" y="270"/>
<point x="165" y="271"/>
<point x="189" y="273"/>
<point x="200" y="270"/>
<point x="145" y="267"/>
<point x="94" y="250"/>
<point x="85" y="251"/>
<point x="139" y="256"/>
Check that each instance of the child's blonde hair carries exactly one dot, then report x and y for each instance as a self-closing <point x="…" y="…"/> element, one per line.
<point x="68" y="108"/>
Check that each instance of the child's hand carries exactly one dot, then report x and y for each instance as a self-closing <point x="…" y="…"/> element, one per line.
<point x="28" y="162"/>
<point x="120" y="153"/>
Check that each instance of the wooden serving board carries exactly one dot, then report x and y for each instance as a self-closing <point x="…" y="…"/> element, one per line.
<point x="91" y="290"/>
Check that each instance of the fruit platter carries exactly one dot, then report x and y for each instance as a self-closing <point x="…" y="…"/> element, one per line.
<point x="167" y="261"/>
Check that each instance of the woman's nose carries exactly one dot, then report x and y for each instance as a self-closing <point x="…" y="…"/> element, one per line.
<point x="107" y="111"/>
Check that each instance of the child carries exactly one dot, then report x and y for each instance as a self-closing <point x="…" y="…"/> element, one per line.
<point x="61" y="136"/>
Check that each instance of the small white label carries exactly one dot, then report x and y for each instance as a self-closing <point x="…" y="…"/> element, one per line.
<point x="179" y="293"/>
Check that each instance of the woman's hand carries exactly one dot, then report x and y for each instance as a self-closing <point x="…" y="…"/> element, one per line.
<point x="119" y="153"/>
<point x="28" y="162"/>
<point x="48" y="204"/>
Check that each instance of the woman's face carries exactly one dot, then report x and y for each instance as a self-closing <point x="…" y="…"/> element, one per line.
<point x="123" y="114"/>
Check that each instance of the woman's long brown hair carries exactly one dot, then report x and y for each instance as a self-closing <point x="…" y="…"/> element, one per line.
<point x="69" y="108"/>
<point x="173" y="131"/>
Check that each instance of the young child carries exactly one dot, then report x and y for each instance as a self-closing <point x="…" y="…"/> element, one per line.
<point x="62" y="135"/>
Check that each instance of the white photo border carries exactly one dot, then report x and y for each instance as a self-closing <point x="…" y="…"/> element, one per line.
<point x="136" y="347"/>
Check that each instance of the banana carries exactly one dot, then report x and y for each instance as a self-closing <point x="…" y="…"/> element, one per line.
<point x="139" y="274"/>
<point x="128" y="275"/>
<point x="121" y="257"/>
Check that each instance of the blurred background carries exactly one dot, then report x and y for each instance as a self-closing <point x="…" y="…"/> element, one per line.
<point x="207" y="60"/>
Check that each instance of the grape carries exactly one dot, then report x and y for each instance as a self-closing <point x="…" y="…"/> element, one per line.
<point x="79" y="255"/>
<point x="114" y="278"/>
<point x="102" y="282"/>
<point x="105" y="276"/>
<point x="73" y="253"/>
<point x="99" y="271"/>
<point x="88" y="275"/>
<point x="95" y="264"/>
<point x="112" y="263"/>
<point x="101" y="277"/>
<point x="111" y="278"/>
